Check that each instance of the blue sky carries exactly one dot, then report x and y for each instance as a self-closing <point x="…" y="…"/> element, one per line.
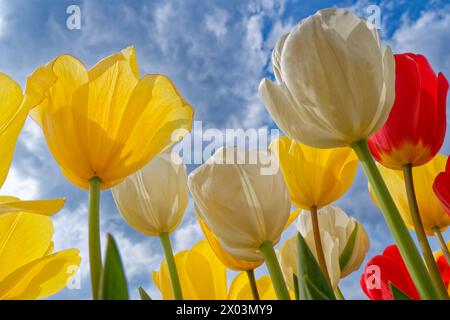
<point x="216" y="52"/>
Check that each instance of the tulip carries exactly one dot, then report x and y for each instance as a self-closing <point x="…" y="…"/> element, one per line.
<point x="153" y="201"/>
<point x="338" y="89"/>
<point x="415" y="129"/>
<point x="344" y="240"/>
<point x="240" y="288"/>
<point x="15" y="108"/>
<point x="431" y="212"/>
<point x="242" y="198"/>
<point x="30" y="269"/>
<point x="413" y="134"/>
<point x="384" y="269"/>
<point x="315" y="177"/>
<point x="443" y="266"/>
<point x="202" y="275"/>
<point x="335" y="88"/>
<point x="104" y="124"/>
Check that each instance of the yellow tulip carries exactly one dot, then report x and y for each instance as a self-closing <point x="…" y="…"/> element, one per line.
<point x="431" y="211"/>
<point x="240" y="288"/>
<point x="227" y="259"/>
<point x="106" y="122"/>
<point x="315" y="177"/>
<point x="29" y="269"/>
<point x="202" y="275"/>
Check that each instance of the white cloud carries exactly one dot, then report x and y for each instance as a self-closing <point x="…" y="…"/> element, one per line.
<point x="216" y="22"/>
<point x="187" y="236"/>
<point x="19" y="185"/>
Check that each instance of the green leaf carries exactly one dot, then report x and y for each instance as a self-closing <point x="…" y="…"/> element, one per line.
<point x="398" y="294"/>
<point x="144" y="295"/>
<point x="113" y="283"/>
<point x="295" y="281"/>
<point x="349" y="246"/>
<point x="312" y="282"/>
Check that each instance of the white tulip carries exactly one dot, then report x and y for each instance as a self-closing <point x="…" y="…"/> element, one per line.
<point x="242" y="205"/>
<point x="336" y="80"/>
<point x="344" y="240"/>
<point x="153" y="199"/>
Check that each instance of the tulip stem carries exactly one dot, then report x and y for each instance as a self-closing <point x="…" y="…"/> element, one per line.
<point x="318" y="244"/>
<point x="252" y="282"/>
<point x="405" y="243"/>
<point x="95" y="253"/>
<point x="339" y="293"/>
<point x="421" y="235"/>
<point x="171" y="266"/>
<point x="444" y="248"/>
<point x="275" y="271"/>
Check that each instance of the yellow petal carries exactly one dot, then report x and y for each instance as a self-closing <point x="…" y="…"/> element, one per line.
<point x="41" y="278"/>
<point x="202" y="275"/>
<point x="314" y="176"/>
<point x="24" y="237"/>
<point x="294" y="214"/>
<point x="12" y="118"/>
<point x="240" y="288"/>
<point x="45" y="207"/>
<point x="155" y="103"/>
<point x="431" y="212"/>
<point x="227" y="259"/>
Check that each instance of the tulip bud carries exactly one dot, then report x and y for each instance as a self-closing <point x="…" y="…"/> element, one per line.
<point x="243" y="204"/>
<point x="153" y="199"/>
<point x="344" y="241"/>
<point x="335" y="80"/>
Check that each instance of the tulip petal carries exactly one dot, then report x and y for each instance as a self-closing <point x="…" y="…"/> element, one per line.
<point x="24" y="237"/>
<point x="45" y="207"/>
<point x="12" y="118"/>
<point x="240" y="288"/>
<point x="156" y="117"/>
<point x="41" y="278"/>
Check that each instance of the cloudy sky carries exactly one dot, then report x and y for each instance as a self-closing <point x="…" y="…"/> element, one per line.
<point x="216" y="52"/>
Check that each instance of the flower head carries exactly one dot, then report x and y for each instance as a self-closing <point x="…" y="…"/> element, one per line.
<point x="415" y="129"/>
<point x="335" y="80"/>
<point x="243" y="205"/>
<point x="315" y="177"/>
<point x="106" y="122"/>
<point x="153" y="199"/>
<point x="431" y="212"/>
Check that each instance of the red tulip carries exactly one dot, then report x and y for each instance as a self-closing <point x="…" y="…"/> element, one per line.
<point x="444" y="269"/>
<point x="441" y="187"/>
<point x="388" y="267"/>
<point x="415" y="129"/>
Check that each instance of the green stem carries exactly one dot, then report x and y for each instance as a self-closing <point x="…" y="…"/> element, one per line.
<point x="171" y="266"/>
<point x="421" y="235"/>
<point x="296" y="288"/>
<point x="405" y="243"/>
<point x="318" y="244"/>
<point x="444" y="248"/>
<point x="339" y="293"/>
<point x="275" y="271"/>
<point x="252" y="282"/>
<point x="95" y="254"/>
